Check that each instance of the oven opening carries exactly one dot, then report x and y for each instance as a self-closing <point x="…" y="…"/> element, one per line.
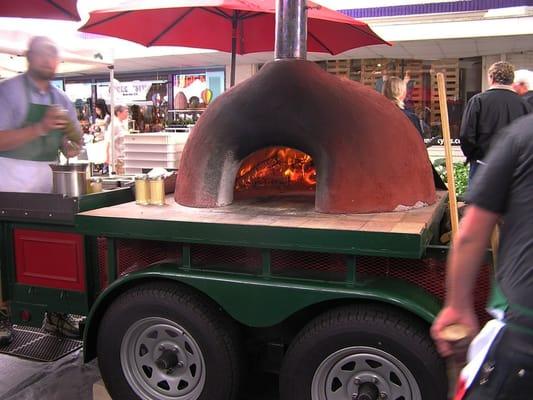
<point x="276" y="171"/>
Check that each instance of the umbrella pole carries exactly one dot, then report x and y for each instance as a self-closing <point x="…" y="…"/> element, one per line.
<point x="234" y="23"/>
<point x="112" y="123"/>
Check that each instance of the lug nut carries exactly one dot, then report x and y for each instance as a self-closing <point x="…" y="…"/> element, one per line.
<point x="357" y="381"/>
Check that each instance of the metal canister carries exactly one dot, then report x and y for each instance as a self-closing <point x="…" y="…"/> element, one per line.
<point x="69" y="180"/>
<point x="157" y="190"/>
<point x="142" y="190"/>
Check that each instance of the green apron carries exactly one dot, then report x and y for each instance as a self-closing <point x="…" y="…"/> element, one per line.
<point x="43" y="148"/>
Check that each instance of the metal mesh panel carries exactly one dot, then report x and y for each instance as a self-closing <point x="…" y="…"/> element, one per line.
<point x="102" y="261"/>
<point x="134" y="255"/>
<point x="308" y="265"/>
<point x="36" y="344"/>
<point x="429" y="274"/>
<point x="226" y="258"/>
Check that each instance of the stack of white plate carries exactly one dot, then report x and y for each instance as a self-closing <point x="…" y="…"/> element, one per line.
<point x="151" y="150"/>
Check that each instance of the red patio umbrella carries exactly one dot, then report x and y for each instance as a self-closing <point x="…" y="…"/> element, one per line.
<point x="48" y="9"/>
<point x="236" y="26"/>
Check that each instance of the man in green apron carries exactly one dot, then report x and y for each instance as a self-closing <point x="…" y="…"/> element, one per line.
<point x="37" y="120"/>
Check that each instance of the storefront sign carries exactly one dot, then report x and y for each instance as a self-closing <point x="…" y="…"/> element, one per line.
<point x="133" y="91"/>
<point x="126" y="92"/>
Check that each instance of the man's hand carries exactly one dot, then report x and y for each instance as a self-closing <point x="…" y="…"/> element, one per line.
<point x="449" y="316"/>
<point x="70" y="148"/>
<point x="55" y="118"/>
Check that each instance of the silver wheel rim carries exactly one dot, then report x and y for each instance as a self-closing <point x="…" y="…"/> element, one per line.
<point x="342" y="373"/>
<point x="144" y="343"/>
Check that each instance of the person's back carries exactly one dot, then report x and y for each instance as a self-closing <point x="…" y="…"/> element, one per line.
<point x="487" y="113"/>
<point x="496" y="108"/>
<point x="529" y="98"/>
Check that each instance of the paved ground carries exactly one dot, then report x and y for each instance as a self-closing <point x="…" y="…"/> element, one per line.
<point x="69" y="378"/>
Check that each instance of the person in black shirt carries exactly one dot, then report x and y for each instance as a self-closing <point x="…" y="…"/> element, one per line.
<point x="502" y="190"/>
<point x="488" y="112"/>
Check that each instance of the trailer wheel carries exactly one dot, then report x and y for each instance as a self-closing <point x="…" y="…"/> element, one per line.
<point x="363" y="353"/>
<point x="164" y="342"/>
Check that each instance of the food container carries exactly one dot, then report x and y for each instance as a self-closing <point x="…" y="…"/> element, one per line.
<point x="95" y="185"/>
<point x="157" y="190"/>
<point x="142" y="190"/>
<point x="70" y="179"/>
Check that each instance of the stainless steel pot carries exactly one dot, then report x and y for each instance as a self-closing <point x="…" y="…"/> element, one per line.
<point x="70" y="179"/>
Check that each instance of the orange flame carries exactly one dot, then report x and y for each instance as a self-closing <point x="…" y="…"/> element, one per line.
<point x="280" y="166"/>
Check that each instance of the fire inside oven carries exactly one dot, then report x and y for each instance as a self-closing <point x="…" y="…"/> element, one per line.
<point x="275" y="170"/>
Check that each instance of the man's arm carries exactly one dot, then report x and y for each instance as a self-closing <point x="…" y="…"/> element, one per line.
<point x="72" y="142"/>
<point x="468" y="131"/>
<point x="464" y="261"/>
<point x="14" y="138"/>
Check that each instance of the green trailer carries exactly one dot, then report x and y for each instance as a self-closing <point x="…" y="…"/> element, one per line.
<point x="183" y="303"/>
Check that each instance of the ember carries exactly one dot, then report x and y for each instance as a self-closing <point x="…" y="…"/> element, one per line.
<point x="277" y="168"/>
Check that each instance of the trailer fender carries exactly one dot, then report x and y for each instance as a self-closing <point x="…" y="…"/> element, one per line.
<point x="259" y="301"/>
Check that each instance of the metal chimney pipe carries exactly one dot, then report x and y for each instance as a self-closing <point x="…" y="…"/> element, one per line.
<point x="291" y="29"/>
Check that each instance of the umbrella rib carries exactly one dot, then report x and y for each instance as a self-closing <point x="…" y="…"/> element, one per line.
<point x="320" y="42"/>
<point x="85" y="27"/>
<point x="172" y="25"/>
<point x="217" y="11"/>
<point x="62" y="9"/>
<point x="373" y="36"/>
<point x="252" y="15"/>
<point x="242" y="15"/>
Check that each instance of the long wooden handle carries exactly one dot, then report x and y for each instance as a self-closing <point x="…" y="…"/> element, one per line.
<point x="454" y="216"/>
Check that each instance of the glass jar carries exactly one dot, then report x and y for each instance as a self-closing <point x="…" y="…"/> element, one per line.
<point x="95" y="185"/>
<point x="142" y="190"/>
<point x="157" y="190"/>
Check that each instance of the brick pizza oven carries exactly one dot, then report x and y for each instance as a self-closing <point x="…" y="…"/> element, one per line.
<point x="367" y="155"/>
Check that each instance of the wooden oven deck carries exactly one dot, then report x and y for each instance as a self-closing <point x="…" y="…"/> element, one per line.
<point x="288" y="222"/>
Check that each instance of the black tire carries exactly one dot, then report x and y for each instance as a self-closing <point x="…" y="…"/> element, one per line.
<point x="151" y="319"/>
<point x="344" y="348"/>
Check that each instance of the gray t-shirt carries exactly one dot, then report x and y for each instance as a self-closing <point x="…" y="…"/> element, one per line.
<point x="14" y="101"/>
<point x="505" y="186"/>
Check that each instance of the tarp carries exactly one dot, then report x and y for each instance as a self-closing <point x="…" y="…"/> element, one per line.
<point x="67" y="378"/>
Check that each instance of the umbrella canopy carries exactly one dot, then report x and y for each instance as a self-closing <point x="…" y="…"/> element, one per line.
<point x="212" y="24"/>
<point x="48" y="9"/>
